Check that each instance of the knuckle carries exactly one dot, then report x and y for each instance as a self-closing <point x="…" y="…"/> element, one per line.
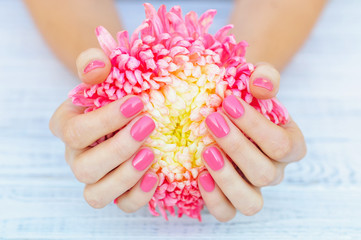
<point x="121" y="148"/>
<point x="303" y="152"/>
<point x="84" y="173"/>
<point x="92" y="199"/>
<point x="234" y="148"/>
<point x="222" y="217"/>
<point x="52" y="124"/>
<point x="226" y="178"/>
<point x="130" y="206"/>
<point x="265" y="177"/>
<point x="282" y="147"/>
<point x="278" y="180"/>
<point x="71" y="135"/>
<point x="253" y="207"/>
<point x="69" y="155"/>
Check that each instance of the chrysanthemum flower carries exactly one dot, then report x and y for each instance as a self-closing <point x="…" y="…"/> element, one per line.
<point x="182" y="73"/>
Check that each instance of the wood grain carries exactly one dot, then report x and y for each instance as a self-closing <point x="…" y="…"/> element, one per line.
<point x="320" y="197"/>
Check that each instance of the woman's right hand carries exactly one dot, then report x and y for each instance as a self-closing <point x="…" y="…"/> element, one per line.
<point x="118" y="164"/>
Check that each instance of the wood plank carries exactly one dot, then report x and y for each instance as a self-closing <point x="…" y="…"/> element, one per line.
<point x="319" y="198"/>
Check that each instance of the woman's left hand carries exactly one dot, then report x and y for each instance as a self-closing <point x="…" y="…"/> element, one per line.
<point x="223" y="188"/>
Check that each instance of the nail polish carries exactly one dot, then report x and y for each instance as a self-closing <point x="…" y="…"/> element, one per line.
<point x="207" y="182"/>
<point x="217" y="124"/>
<point x="148" y="182"/>
<point x="131" y="107"/>
<point x="233" y="106"/>
<point x="115" y="201"/>
<point x="93" y="65"/>
<point x="143" y="159"/>
<point x="142" y="128"/>
<point x="263" y="83"/>
<point x="213" y="158"/>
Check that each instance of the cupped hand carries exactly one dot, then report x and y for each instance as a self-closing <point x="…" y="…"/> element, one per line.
<point x="226" y="189"/>
<point x="116" y="168"/>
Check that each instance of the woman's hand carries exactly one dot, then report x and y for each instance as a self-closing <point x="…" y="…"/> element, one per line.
<point x="116" y="165"/>
<point x="223" y="188"/>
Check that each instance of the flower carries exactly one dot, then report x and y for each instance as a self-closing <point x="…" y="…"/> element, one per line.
<point x="182" y="73"/>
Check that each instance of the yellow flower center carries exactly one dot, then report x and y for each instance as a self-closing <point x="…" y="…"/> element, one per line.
<point x="179" y="110"/>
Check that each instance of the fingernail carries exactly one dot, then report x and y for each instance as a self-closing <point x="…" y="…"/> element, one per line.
<point x="233" y="106"/>
<point x="93" y="65"/>
<point x="115" y="201"/>
<point x="131" y="107"/>
<point x="263" y="83"/>
<point x="217" y="124"/>
<point x="207" y="182"/>
<point x="143" y="159"/>
<point x="148" y="182"/>
<point x="142" y="128"/>
<point x="214" y="158"/>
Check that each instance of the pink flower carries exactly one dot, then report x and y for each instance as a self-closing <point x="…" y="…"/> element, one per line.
<point x="182" y="73"/>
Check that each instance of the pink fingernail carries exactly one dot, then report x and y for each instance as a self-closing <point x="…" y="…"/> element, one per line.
<point x="143" y="159"/>
<point x="131" y="107"/>
<point x="148" y="182"/>
<point x="115" y="201"/>
<point x="214" y="158"/>
<point x="233" y="106"/>
<point x="142" y="128"/>
<point x="217" y="124"/>
<point x="263" y="83"/>
<point x="94" y="64"/>
<point x="207" y="182"/>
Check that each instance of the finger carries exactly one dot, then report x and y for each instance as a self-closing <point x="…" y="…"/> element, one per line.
<point x="139" y="195"/>
<point x="264" y="81"/>
<point x="217" y="203"/>
<point x="71" y="154"/>
<point x="280" y="173"/>
<point x="93" y="66"/>
<point x="121" y="179"/>
<point x="64" y="112"/>
<point x="81" y="130"/>
<point x="256" y="166"/>
<point x="93" y="164"/>
<point x="244" y="197"/>
<point x="281" y="143"/>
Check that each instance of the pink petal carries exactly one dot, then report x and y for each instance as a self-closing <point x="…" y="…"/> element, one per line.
<point x="105" y="39"/>
<point x="123" y="39"/>
<point x="191" y="21"/>
<point x="206" y="20"/>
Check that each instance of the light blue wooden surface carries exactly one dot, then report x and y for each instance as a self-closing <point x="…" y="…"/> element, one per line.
<point x="320" y="197"/>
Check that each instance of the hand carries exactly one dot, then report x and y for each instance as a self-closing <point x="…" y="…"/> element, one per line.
<point x="223" y="188"/>
<point x="116" y="165"/>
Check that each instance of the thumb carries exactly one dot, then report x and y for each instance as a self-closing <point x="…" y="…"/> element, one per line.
<point x="264" y="81"/>
<point x="93" y="66"/>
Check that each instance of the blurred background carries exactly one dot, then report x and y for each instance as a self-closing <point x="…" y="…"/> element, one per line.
<point x="320" y="197"/>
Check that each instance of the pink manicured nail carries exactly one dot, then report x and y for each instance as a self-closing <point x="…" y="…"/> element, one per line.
<point x="148" y="182"/>
<point x="217" y="124"/>
<point x="233" y="107"/>
<point x="143" y="159"/>
<point x="214" y="158"/>
<point x="115" y="201"/>
<point x="94" y="64"/>
<point x="263" y="83"/>
<point x="207" y="182"/>
<point x="142" y="128"/>
<point x="131" y="107"/>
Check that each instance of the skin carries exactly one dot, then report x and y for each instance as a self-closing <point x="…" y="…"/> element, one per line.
<point x="274" y="29"/>
<point x="68" y="26"/>
<point x="263" y="166"/>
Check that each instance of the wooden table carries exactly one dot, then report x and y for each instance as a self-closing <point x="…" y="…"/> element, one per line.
<point x="320" y="197"/>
